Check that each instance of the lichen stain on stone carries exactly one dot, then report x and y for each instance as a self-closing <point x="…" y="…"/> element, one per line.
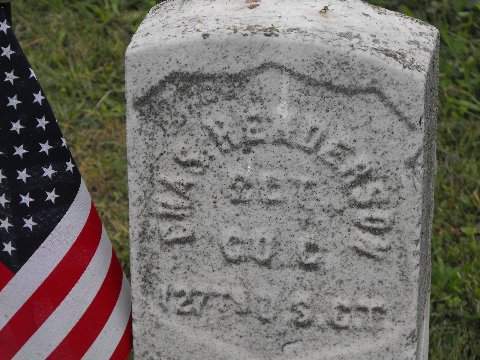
<point x="268" y="31"/>
<point x="252" y="4"/>
<point x="381" y="11"/>
<point x="324" y="10"/>
<point x="349" y="35"/>
<point x="401" y="58"/>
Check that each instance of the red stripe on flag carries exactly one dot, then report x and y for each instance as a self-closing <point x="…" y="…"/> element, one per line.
<point x="5" y="275"/>
<point x="125" y="345"/>
<point x="53" y="290"/>
<point x="86" y="330"/>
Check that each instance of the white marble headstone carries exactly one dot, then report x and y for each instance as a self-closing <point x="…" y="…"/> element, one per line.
<point x="281" y="157"/>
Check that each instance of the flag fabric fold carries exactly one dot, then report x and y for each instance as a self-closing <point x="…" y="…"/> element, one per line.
<point x="63" y="294"/>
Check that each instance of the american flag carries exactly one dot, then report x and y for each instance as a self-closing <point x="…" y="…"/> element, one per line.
<point x="63" y="294"/>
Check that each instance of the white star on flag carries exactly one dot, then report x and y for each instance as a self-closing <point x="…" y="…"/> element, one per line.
<point x="7" y="52"/>
<point x="19" y="150"/>
<point x="32" y="74"/>
<point x="29" y="223"/>
<point x="7" y="247"/>
<point x="2" y="176"/>
<point x="38" y="97"/>
<point x="5" y="224"/>
<point x="3" y="201"/>
<point x="10" y="77"/>
<point x="17" y="126"/>
<point x="48" y="172"/>
<point x="26" y="199"/>
<point x="70" y="166"/>
<point x="42" y="122"/>
<point x="13" y="101"/>
<point x="4" y="26"/>
<point x="45" y="147"/>
<point x="51" y="196"/>
<point x="22" y="175"/>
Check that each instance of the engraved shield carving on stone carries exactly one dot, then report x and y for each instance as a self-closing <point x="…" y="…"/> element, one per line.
<point x="274" y="214"/>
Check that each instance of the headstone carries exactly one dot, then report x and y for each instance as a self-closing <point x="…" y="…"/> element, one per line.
<point x="281" y="156"/>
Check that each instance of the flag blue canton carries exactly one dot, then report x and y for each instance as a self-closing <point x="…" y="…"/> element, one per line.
<point x="38" y="178"/>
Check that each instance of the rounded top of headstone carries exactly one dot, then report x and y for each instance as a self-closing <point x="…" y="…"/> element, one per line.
<point x="335" y="23"/>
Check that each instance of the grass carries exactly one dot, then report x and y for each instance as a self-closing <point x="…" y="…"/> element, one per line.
<point x="77" y="49"/>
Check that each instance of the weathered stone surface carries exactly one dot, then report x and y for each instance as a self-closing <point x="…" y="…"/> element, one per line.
<point x="281" y="157"/>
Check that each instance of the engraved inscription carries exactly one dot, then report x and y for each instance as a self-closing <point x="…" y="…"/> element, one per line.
<point x="368" y="195"/>
<point x="271" y="188"/>
<point x="188" y="301"/>
<point x="174" y="210"/>
<point x="193" y="300"/>
<point x="270" y="208"/>
<point x="302" y="309"/>
<point x="191" y="159"/>
<point x="238" y="247"/>
<point x="241" y="191"/>
<point x="262" y="248"/>
<point x="267" y="188"/>
<point x="368" y="314"/>
<point x="308" y="251"/>
<point x="177" y="233"/>
<point x="266" y="307"/>
<point x="175" y="203"/>
<point x="233" y="245"/>
<point x="375" y="222"/>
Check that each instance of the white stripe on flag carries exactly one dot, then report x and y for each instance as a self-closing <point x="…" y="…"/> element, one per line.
<point x="46" y="258"/>
<point x="66" y="315"/>
<point x="107" y="341"/>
